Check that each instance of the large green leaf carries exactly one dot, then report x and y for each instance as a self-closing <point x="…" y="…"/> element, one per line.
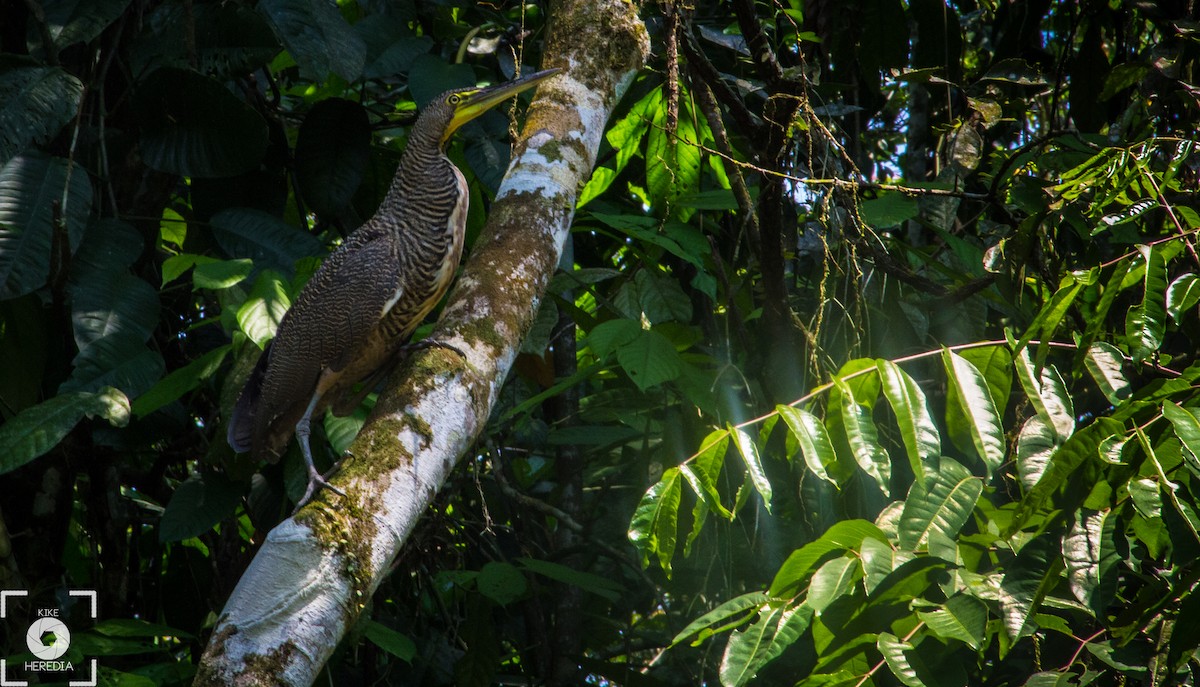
<point x="262" y="311"/>
<point x="77" y="21"/>
<point x="920" y="434"/>
<point x="1145" y="324"/>
<point x="332" y="151"/>
<point x="654" y="525"/>
<point x="831" y="581"/>
<point x="813" y="441"/>
<point x="970" y="412"/>
<point x="778" y="626"/>
<point x="1027" y="579"/>
<point x="748" y="450"/>
<point x="625" y="137"/>
<point x="735" y="607"/>
<point x="267" y="240"/>
<point x="118" y="361"/>
<point x="1105" y="364"/>
<point x="396" y="644"/>
<point x="863" y="438"/>
<point x="604" y="587"/>
<point x="702" y="473"/>
<point x="181" y="381"/>
<point x="1182" y="295"/>
<point x="197" y="506"/>
<point x="942" y="504"/>
<point x="112" y="303"/>
<point x="391" y="45"/>
<point x="962" y="617"/>
<point x="672" y="162"/>
<point x="1036" y="444"/>
<point x="192" y="125"/>
<point x="893" y="654"/>
<point x="1092" y="561"/>
<point x="649" y="359"/>
<point x="845" y="535"/>
<point x="317" y="36"/>
<point x="223" y="39"/>
<point x="34" y="190"/>
<point x="35" y="103"/>
<point x="657" y="296"/>
<point x="39" y="428"/>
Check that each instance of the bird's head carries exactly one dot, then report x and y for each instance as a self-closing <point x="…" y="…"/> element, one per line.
<point x="461" y="105"/>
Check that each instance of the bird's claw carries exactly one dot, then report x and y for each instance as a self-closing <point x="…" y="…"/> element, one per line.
<point x="315" y="481"/>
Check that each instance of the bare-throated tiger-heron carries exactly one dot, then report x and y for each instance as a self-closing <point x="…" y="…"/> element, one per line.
<point x="361" y="306"/>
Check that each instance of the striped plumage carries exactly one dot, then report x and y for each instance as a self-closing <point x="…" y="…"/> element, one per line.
<point x="351" y="319"/>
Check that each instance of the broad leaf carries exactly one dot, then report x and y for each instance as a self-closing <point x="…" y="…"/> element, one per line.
<point x="34" y="190"/>
<point x="267" y="240"/>
<point x="748" y="650"/>
<point x="176" y="384"/>
<point x="813" y="440"/>
<point x="962" y="617"/>
<point x="1026" y="581"/>
<point x="942" y="504"/>
<point x="317" y="37"/>
<point x="970" y="411"/>
<point x="1105" y="363"/>
<point x="748" y="450"/>
<point x="264" y="308"/>
<point x="831" y="581"/>
<point x="35" y="103"/>
<point x="863" y="438"/>
<point x="192" y="125"/>
<point x="39" y="428"/>
<point x="845" y="535"/>
<point x="1092" y="561"/>
<point x="653" y="529"/>
<point x="920" y="434"/>
<point x="197" y="506"/>
<point x="736" y="606"/>
<point x="1182" y="295"/>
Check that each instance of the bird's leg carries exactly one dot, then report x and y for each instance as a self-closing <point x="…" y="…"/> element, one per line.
<point x="315" y="479"/>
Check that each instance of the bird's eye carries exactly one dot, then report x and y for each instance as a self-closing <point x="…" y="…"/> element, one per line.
<point x="454" y="99"/>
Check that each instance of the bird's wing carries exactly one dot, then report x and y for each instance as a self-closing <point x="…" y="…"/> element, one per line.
<point x="240" y="432"/>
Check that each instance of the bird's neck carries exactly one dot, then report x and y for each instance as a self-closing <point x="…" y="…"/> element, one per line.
<point x="424" y="174"/>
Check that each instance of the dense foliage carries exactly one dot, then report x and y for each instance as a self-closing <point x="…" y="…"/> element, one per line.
<point x="872" y="360"/>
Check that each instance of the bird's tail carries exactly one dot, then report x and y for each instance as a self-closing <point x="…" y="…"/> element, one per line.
<point x="240" y="433"/>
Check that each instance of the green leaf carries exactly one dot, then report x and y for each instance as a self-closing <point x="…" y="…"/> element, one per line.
<point x="263" y="238"/>
<point x="777" y="627"/>
<point x="1145" y="324"/>
<point x="112" y="302"/>
<point x="831" y="581"/>
<point x="813" y="440"/>
<point x="721" y="614"/>
<point x="79" y="21"/>
<point x="917" y="428"/>
<point x="1092" y="561"/>
<point x="879" y="560"/>
<point x="501" y="582"/>
<point x="332" y="152"/>
<point x="1105" y="364"/>
<point x="31" y="188"/>
<point x="35" y="103"/>
<point x="672" y="162"/>
<point x="893" y="653"/>
<point x="653" y="529"/>
<point x="970" y="411"/>
<point x="890" y="209"/>
<point x="317" y="37"/>
<point x="192" y="125"/>
<point x="1047" y="392"/>
<point x="1026" y="581"/>
<point x="1186" y="424"/>
<point x="181" y="381"/>
<point x="962" y="617"/>
<point x="649" y="359"/>
<point x="221" y="274"/>
<point x="197" y="506"/>
<point x="657" y="296"/>
<point x="116" y="361"/>
<point x="431" y="75"/>
<point x="37" y="429"/>
<point x="943" y="504"/>
<point x="259" y="316"/>
<point x="1083" y="447"/>
<point x="863" y="438"/>
<point x="844" y="535"/>
<point x="748" y="450"/>
<point x="1036" y="445"/>
<point x="396" y="644"/>
<point x="603" y="587"/>
<point x="1182" y="295"/>
<point x="1051" y="315"/>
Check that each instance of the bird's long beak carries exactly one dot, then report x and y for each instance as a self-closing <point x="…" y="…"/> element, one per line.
<point x="475" y="103"/>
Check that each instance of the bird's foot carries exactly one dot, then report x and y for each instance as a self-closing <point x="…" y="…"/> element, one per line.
<point x="315" y="481"/>
<point x="432" y="343"/>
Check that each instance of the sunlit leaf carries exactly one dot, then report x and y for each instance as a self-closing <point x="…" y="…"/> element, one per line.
<point x="748" y="450"/>
<point x="970" y="410"/>
<point x="777" y="627"/>
<point x="1145" y="324"/>
<point x="813" y="440"/>
<point x="262" y="311"/>
<point x="1106" y="365"/>
<point x="921" y="438"/>
<point x="722" y="614"/>
<point x="942" y="504"/>
<point x="1182" y="295"/>
<point x="893" y="653"/>
<point x="37" y="429"/>
<point x="962" y="617"/>
<point x="844" y="535"/>
<point x="1090" y="552"/>
<point x="1026" y="581"/>
<point x="653" y="529"/>
<point x="870" y="454"/>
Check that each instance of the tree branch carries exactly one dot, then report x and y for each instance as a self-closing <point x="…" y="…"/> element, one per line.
<point x="315" y="572"/>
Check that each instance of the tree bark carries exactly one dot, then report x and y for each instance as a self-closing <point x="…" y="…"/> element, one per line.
<point x="315" y="572"/>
